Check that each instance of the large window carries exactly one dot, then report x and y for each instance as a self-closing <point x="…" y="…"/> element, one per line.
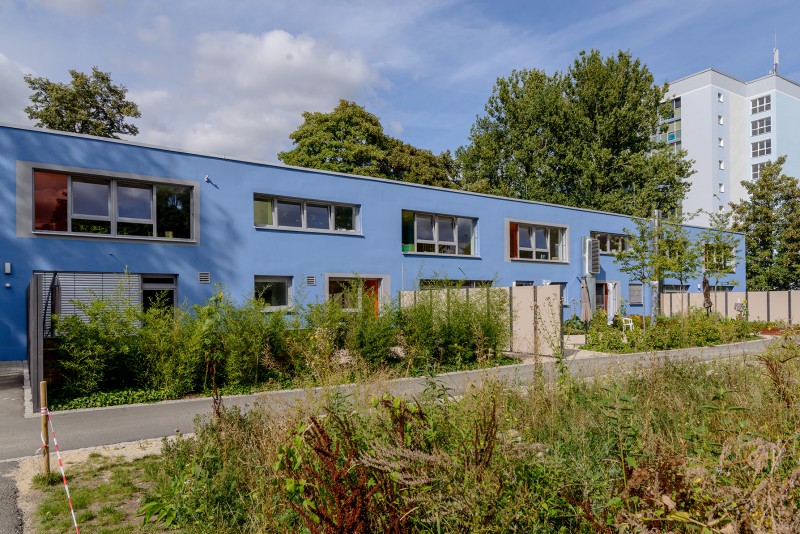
<point x="756" y="170"/>
<point x="761" y="148"/>
<point x="438" y="234"/>
<point x="355" y="293"/>
<point x="111" y="206"/>
<point x="635" y="294"/>
<point x="537" y="242"/>
<point x="720" y="258"/>
<point x="610" y="243"/>
<point x="312" y="215"/>
<point x="273" y="291"/>
<point x="761" y="126"/>
<point x="760" y="104"/>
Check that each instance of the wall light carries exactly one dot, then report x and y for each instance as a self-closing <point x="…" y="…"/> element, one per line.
<point x="7" y="267"/>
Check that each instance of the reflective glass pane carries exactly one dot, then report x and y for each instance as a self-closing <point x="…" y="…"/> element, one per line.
<point x="290" y="214"/>
<point x="136" y="229"/>
<point x="174" y="211"/>
<point x="524" y="237"/>
<point x="426" y="247"/>
<point x="447" y="249"/>
<point x="318" y="217"/>
<point x="447" y="231"/>
<point x="465" y="237"/>
<point x="135" y="202"/>
<point x="541" y="238"/>
<point x="90" y="198"/>
<point x="262" y="211"/>
<point x="407" y="224"/>
<point x="344" y="218"/>
<point x="274" y="292"/>
<point x="555" y="244"/>
<point x="91" y="227"/>
<point x="50" y="201"/>
<point x="425" y="227"/>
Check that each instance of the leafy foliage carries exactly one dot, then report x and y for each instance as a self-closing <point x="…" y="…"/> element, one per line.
<point x="584" y="138"/>
<point x="350" y="139"/>
<point x="89" y="104"/>
<point x="770" y="220"/>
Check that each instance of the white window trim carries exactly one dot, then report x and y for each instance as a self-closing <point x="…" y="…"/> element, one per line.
<point x="760" y="104"/>
<point x="540" y="224"/>
<point x="304" y="215"/>
<point x="593" y="234"/>
<point x="436" y="242"/>
<point x="762" y="148"/>
<point x="271" y="278"/>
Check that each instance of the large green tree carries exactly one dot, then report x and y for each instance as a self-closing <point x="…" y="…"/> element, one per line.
<point x="88" y="104"/>
<point x="770" y="220"/>
<point x="350" y="139"/>
<point x="585" y="138"/>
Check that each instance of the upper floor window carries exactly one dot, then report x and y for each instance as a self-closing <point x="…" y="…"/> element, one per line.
<point x="610" y="243"/>
<point x="537" y="242"/>
<point x="720" y="119"/>
<point x="100" y="205"/>
<point x="761" y="126"/>
<point x="720" y="97"/>
<point x="429" y="233"/>
<point x="756" y="170"/>
<point x="760" y="104"/>
<point x="761" y="148"/>
<point x="720" y="258"/>
<point x="312" y="215"/>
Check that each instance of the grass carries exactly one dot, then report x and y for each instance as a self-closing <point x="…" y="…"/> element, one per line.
<point x="106" y="492"/>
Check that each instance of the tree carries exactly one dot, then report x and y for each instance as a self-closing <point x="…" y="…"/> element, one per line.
<point x="88" y="105"/>
<point x="641" y="258"/>
<point x="350" y="139"/>
<point x="682" y="255"/>
<point x="770" y="220"/>
<point x="584" y="138"/>
<point x="720" y="248"/>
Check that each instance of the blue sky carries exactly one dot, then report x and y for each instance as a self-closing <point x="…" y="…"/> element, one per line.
<point x="233" y="77"/>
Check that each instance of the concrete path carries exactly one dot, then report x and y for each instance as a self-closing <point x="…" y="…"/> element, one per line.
<point x="20" y="436"/>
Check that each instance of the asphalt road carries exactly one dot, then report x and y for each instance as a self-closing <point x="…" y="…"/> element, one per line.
<point x="20" y="434"/>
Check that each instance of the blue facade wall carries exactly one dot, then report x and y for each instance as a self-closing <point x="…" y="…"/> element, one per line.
<point x="234" y="251"/>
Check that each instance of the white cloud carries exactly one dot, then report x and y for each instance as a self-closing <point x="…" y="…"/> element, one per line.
<point x="15" y="93"/>
<point x="160" y="34"/>
<point x="247" y="92"/>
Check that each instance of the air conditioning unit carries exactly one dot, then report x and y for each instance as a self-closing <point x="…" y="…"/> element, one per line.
<point x="591" y="255"/>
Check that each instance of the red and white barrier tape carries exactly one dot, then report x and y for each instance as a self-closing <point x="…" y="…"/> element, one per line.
<point x="46" y="412"/>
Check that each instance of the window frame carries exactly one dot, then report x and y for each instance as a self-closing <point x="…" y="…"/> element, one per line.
<point x="26" y="203"/>
<point x="595" y="234"/>
<point x="761" y="126"/>
<point x="640" y="300"/>
<point x="761" y="148"/>
<point x="304" y="204"/>
<point x="437" y="219"/>
<point x="258" y="278"/>
<point x="755" y="170"/>
<point x="384" y="289"/>
<point x="760" y="104"/>
<point x="534" y="249"/>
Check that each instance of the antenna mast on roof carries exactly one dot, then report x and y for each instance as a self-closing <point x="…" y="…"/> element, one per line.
<point x="775" y="56"/>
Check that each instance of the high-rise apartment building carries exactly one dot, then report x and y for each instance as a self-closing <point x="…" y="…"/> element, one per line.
<point x="731" y="128"/>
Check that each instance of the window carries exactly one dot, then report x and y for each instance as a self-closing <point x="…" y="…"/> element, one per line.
<point x="720" y="97"/>
<point x="428" y="233"/>
<point x="675" y="288"/>
<point x="273" y="291"/>
<point x="353" y="293"/>
<point x="159" y="291"/>
<point x="635" y="294"/>
<point x="312" y="215"/>
<point x="756" y="172"/>
<point x="720" y="258"/>
<point x="610" y="243"/>
<point x="111" y="206"/>
<point x="721" y="165"/>
<point x="720" y="119"/>
<point x="760" y="104"/>
<point x="720" y="141"/>
<point x="761" y="148"/>
<point x="537" y="242"/>
<point x="439" y="283"/>
<point x="721" y="187"/>
<point x="761" y="126"/>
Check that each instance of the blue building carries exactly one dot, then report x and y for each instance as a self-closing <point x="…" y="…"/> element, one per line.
<point x="90" y="209"/>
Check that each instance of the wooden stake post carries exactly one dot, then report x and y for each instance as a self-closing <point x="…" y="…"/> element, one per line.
<point x="45" y="436"/>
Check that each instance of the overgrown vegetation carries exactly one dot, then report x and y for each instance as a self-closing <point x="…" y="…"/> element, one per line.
<point x="695" y="329"/>
<point x="678" y="448"/>
<point x="118" y="354"/>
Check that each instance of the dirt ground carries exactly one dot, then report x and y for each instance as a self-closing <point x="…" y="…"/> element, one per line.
<point x="28" y="498"/>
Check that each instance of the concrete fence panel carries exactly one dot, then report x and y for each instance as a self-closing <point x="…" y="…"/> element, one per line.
<point x="757" y="305"/>
<point x="794" y="306"/>
<point x="778" y="306"/>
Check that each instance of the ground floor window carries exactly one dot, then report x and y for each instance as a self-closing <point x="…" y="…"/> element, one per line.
<point x="159" y="291"/>
<point x="354" y="293"/>
<point x="273" y="291"/>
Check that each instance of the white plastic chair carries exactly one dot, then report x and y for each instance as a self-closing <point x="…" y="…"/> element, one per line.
<point x="627" y="324"/>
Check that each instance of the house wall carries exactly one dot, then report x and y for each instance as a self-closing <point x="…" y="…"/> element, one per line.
<point x="230" y="248"/>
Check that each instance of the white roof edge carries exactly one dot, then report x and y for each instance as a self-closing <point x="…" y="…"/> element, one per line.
<point x="292" y="167"/>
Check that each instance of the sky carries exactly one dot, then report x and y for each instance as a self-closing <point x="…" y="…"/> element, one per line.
<point x="233" y="77"/>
